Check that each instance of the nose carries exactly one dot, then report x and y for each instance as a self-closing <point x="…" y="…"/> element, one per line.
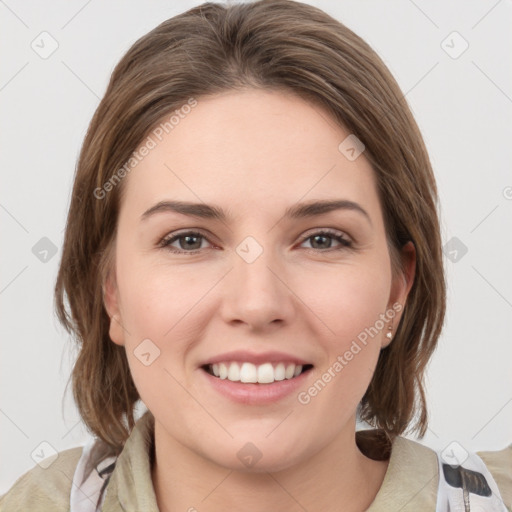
<point x="256" y="293"/>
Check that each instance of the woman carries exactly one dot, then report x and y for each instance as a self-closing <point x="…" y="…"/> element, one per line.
<point x="253" y="251"/>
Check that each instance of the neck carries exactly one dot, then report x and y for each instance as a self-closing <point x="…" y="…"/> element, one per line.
<point x="338" y="475"/>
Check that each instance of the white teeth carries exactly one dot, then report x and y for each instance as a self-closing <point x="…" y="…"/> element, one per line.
<point x="290" y="370"/>
<point x="279" y="372"/>
<point x="262" y="374"/>
<point x="234" y="372"/>
<point x="248" y="373"/>
<point x="223" y="371"/>
<point x="266" y="373"/>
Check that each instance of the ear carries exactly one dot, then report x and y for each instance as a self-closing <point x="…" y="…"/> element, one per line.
<point x="400" y="287"/>
<point x="111" y="302"/>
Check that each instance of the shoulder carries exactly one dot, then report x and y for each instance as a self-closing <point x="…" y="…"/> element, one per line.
<point x="405" y="447"/>
<point x="499" y="464"/>
<point x="411" y="479"/>
<point x="414" y="467"/>
<point x="41" y="489"/>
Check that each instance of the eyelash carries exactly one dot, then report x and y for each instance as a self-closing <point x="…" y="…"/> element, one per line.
<point x="342" y="239"/>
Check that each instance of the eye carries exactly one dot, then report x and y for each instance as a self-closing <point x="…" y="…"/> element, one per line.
<point x="186" y="240"/>
<point x="323" y="240"/>
<point x="190" y="242"/>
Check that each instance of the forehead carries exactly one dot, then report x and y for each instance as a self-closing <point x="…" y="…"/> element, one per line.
<point x="250" y="151"/>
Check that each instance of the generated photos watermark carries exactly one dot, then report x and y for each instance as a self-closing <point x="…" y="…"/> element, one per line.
<point x="342" y="360"/>
<point x="152" y="140"/>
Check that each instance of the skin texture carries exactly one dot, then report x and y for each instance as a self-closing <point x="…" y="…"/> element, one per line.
<point x="254" y="153"/>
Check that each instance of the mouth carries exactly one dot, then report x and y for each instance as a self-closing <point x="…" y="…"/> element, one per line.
<point x="249" y="373"/>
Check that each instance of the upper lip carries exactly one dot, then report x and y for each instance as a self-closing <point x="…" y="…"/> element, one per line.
<point x="255" y="358"/>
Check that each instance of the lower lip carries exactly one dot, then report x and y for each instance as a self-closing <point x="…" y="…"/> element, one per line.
<point x="256" y="394"/>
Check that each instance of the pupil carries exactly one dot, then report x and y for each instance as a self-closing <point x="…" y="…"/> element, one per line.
<point x="316" y="237"/>
<point x="188" y="240"/>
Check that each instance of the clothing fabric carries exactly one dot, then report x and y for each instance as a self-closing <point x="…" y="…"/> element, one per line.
<point x="468" y="486"/>
<point x="417" y="479"/>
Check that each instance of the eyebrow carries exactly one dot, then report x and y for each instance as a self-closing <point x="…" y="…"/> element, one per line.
<point x="299" y="211"/>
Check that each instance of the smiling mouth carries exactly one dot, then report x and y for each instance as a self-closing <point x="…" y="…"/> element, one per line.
<point x="249" y="373"/>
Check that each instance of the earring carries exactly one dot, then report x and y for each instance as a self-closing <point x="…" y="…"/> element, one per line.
<point x="389" y="334"/>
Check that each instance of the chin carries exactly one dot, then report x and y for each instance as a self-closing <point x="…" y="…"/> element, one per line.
<point x="258" y="456"/>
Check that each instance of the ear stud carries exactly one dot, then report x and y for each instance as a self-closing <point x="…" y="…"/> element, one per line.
<point x="389" y="334"/>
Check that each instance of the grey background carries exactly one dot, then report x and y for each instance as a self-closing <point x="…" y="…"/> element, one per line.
<point x="463" y="106"/>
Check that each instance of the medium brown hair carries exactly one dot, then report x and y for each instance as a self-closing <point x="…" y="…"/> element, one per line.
<point x="272" y="45"/>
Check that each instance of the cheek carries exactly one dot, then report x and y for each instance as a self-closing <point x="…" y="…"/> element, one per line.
<point x="158" y="309"/>
<point x="166" y="308"/>
<point x="156" y="295"/>
<point x="350" y="303"/>
<point x="346" y="299"/>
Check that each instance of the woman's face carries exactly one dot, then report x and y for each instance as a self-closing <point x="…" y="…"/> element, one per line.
<point x="272" y="284"/>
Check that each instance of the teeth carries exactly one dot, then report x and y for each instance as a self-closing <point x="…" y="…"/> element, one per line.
<point x="279" y="372"/>
<point x="262" y="374"/>
<point x="248" y="373"/>
<point x="223" y="371"/>
<point x="265" y="373"/>
<point x="234" y="372"/>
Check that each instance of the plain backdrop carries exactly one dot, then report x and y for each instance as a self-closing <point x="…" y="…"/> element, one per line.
<point x="462" y="100"/>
